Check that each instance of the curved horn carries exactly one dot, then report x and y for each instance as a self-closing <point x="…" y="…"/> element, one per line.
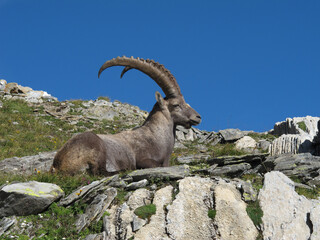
<point x="156" y="71"/>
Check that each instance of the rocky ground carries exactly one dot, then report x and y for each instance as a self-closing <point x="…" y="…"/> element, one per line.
<point x="227" y="185"/>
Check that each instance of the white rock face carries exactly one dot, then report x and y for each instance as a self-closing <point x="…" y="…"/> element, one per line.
<point x="287" y="215"/>
<point x="139" y="198"/>
<point x="187" y="216"/>
<point x="293" y="137"/>
<point x="156" y="229"/>
<point x="246" y="143"/>
<point x="231" y="219"/>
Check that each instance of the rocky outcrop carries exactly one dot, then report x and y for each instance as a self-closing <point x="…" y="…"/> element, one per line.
<point x="27" y="198"/>
<point x="287" y="215"/>
<point x="296" y="136"/>
<point x="16" y="91"/>
<point x="230" y="208"/>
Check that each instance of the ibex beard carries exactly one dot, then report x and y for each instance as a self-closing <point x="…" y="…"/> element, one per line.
<point x="147" y="146"/>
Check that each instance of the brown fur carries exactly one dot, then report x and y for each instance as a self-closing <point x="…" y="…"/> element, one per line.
<point x="147" y="146"/>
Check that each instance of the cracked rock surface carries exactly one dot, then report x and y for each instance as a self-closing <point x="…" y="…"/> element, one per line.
<point x="286" y="214"/>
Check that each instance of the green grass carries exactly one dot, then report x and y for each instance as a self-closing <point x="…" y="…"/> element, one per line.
<point x="227" y="149"/>
<point x="212" y="213"/>
<point x="104" y="98"/>
<point x="309" y="193"/>
<point x="145" y="212"/>
<point x="262" y="136"/>
<point x="255" y="212"/>
<point x="22" y="133"/>
<point x="302" y="126"/>
<point x="256" y="180"/>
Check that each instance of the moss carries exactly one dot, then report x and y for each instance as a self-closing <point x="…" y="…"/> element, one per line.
<point x="145" y="212"/>
<point x="302" y="126"/>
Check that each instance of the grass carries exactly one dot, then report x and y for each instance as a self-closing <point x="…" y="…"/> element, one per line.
<point x="145" y="212"/>
<point x="262" y="136"/>
<point x="56" y="223"/>
<point x="309" y="193"/>
<point x="22" y="133"/>
<point x="302" y="126"/>
<point x="256" y="180"/>
<point x="255" y="213"/>
<point x="227" y="149"/>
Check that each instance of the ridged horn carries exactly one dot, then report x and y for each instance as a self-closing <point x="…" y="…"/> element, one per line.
<point x="154" y="70"/>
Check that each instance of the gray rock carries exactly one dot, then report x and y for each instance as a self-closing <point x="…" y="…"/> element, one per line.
<point x="248" y="193"/>
<point x="6" y="223"/>
<point x="96" y="209"/>
<point x="88" y="192"/>
<point x="230" y="135"/>
<point x="94" y="237"/>
<point x="235" y="170"/>
<point x="286" y="215"/>
<point x="156" y="228"/>
<point x="231" y="217"/>
<point x="139" y="198"/>
<point x="264" y="145"/>
<point x="135" y="185"/>
<point x="27" y="198"/>
<point x="3" y="84"/>
<point x="137" y="223"/>
<point x="193" y="158"/>
<point x="228" y="160"/>
<point x="187" y="216"/>
<point x="27" y="165"/>
<point x="302" y="165"/>
<point x="172" y="173"/>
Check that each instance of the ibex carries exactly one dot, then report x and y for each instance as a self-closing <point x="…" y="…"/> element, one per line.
<point x="147" y="146"/>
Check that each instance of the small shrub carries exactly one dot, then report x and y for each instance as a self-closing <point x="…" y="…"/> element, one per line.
<point x="145" y="212"/>
<point x="255" y="212"/>
<point x="212" y="213"/>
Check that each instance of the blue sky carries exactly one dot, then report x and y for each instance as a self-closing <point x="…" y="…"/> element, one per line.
<point x="240" y="64"/>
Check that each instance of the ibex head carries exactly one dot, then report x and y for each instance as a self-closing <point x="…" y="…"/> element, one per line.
<point x="173" y="105"/>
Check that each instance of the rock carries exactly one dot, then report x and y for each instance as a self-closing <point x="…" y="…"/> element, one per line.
<point x="293" y="126"/>
<point x="231" y="217"/>
<point x="96" y="209"/>
<point x="264" y="145"/>
<point x="3" y="84"/>
<point x="193" y="158"/>
<point x="235" y="170"/>
<point x="248" y="193"/>
<point x="88" y="192"/>
<point x="135" y="185"/>
<point x="27" y="165"/>
<point x="27" y="198"/>
<point x="94" y="237"/>
<point x="228" y="160"/>
<point x="172" y="173"/>
<point x="139" y="198"/>
<point x="291" y="143"/>
<point x="101" y="112"/>
<point x="187" y="216"/>
<point x="156" y="229"/>
<point x="246" y="143"/>
<point x="6" y="223"/>
<point x="302" y="165"/>
<point x="230" y="135"/>
<point x="286" y="215"/>
<point x="137" y="223"/>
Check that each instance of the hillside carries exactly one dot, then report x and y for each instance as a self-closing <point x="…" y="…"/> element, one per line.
<point x="224" y="185"/>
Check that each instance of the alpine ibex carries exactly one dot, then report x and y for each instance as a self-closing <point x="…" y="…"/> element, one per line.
<point x="147" y="146"/>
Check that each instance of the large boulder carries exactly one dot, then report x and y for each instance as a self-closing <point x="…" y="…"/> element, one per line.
<point x="231" y="218"/>
<point x="286" y="214"/>
<point x="187" y="216"/>
<point x="231" y="135"/>
<point x="27" y="198"/>
<point x="246" y="143"/>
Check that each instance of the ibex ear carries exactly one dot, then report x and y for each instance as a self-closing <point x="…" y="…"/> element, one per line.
<point x="160" y="99"/>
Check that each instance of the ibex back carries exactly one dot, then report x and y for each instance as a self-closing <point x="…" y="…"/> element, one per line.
<point x="148" y="146"/>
